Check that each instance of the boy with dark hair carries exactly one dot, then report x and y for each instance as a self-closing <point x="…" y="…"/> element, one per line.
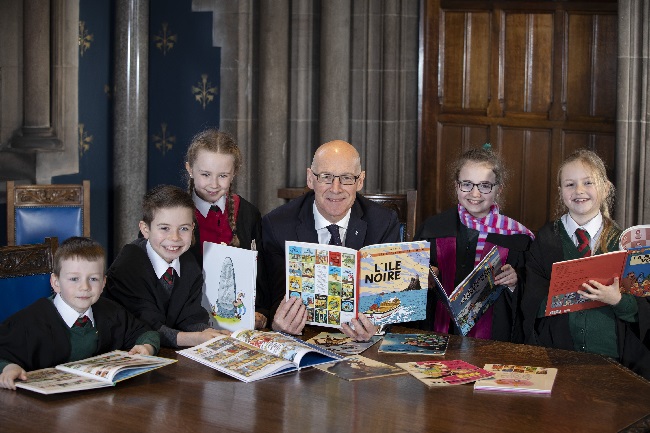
<point x="75" y="323"/>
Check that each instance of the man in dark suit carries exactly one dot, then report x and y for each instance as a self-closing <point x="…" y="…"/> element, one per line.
<point x="335" y="176"/>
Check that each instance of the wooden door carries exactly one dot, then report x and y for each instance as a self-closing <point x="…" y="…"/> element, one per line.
<point x="537" y="80"/>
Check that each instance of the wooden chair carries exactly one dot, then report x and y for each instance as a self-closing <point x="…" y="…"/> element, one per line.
<point x="35" y="212"/>
<point x="404" y="204"/>
<point x="25" y="275"/>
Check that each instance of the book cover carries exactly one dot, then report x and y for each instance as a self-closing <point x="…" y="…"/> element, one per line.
<point x="357" y="367"/>
<point x="336" y="283"/>
<point x="415" y="344"/>
<point x="445" y="373"/>
<point x="475" y="294"/>
<point x="249" y="355"/>
<point x="635" y="278"/>
<point x="518" y="378"/>
<point x="95" y="372"/>
<point x="634" y="237"/>
<point x="229" y="290"/>
<point x="341" y="344"/>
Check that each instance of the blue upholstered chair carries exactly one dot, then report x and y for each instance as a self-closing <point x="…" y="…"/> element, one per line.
<point x="35" y="212"/>
<point x="25" y="275"/>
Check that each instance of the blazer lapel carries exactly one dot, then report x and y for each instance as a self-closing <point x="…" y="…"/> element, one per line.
<point x="305" y="229"/>
<point x="356" y="234"/>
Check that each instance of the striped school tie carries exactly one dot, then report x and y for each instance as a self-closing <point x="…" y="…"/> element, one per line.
<point x="583" y="242"/>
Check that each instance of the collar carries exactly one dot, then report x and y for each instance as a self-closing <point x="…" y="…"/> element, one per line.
<point x="204" y="206"/>
<point x="320" y="222"/>
<point x="159" y="264"/>
<point x="69" y="314"/>
<point x="593" y="227"/>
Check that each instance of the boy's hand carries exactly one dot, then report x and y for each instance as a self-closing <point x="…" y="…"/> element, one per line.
<point x="9" y="375"/>
<point x="142" y="349"/>
<point x="595" y="291"/>
<point x="291" y="316"/>
<point x="363" y="330"/>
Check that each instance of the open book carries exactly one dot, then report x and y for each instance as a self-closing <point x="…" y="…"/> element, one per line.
<point x="632" y="266"/>
<point x="475" y="294"/>
<point x="381" y="281"/>
<point x="229" y="290"/>
<point x="518" y="378"/>
<point x="252" y="355"/>
<point x="444" y="372"/>
<point x="96" y="372"/>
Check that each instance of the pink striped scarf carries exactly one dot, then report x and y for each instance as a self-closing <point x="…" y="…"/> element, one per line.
<point x="493" y="222"/>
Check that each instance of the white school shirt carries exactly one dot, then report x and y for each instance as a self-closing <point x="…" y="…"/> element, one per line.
<point x="594" y="227"/>
<point x="204" y="206"/>
<point x="159" y="264"/>
<point x="320" y="224"/>
<point x="69" y="314"/>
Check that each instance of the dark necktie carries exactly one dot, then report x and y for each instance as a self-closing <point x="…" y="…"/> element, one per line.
<point x="81" y="321"/>
<point x="335" y="239"/>
<point x="168" y="276"/>
<point x="215" y="208"/>
<point x="583" y="242"/>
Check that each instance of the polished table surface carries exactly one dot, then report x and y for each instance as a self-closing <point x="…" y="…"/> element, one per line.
<point x="590" y="393"/>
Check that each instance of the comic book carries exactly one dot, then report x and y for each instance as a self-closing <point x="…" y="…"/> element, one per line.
<point x="381" y="281"/>
<point x="475" y="294"/>
<point x="96" y="372"/>
<point x="229" y="289"/>
<point x="357" y="367"/>
<point x="249" y="355"/>
<point x="415" y="344"/>
<point x="445" y="372"/>
<point x="342" y="344"/>
<point x="635" y="278"/>
<point x="518" y="378"/>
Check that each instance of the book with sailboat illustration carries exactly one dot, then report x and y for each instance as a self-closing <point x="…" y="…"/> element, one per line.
<point x="386" y="282"/>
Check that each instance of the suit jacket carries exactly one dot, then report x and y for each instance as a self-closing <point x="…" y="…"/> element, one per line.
<point x="370" y="223"/>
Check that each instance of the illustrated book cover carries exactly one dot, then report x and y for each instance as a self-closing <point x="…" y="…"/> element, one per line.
<point x="341" y="344"/>
<point x="249" y="355"/>
<point x="357" y="367"/>
<point x="475" y="294"/>
<point x="229" y="290"/>
<point x="96" y="372"/>
<point x="518" y="378"/>
<point x="445" y="373"/>
<point x="414" y="344"/>
<point x="383" y="281"/>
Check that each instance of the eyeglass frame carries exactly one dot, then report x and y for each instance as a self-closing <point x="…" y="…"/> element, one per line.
<point x="318" y="178"/>
<point x="477" y="185"/>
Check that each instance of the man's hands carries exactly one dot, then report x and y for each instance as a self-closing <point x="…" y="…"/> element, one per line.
<point x="290" y="317"/>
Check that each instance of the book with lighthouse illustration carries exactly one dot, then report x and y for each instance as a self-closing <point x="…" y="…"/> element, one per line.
<point x="386" y="282"/>
<point x="229" y="291"/>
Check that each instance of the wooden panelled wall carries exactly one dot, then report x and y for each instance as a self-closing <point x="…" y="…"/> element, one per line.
<point x="537" y="80"/>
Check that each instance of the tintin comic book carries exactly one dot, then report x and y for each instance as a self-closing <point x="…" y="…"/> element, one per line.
<point x="415" y="344"/>
<point x="445" y="372"/>
<point x="357" y="367"/>
<point x="517" y="378"/>
<point x="386" y="282"/>
<point x="341" y="344"/>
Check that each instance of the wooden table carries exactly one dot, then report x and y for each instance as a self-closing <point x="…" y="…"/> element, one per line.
<point x="590" y="394"/>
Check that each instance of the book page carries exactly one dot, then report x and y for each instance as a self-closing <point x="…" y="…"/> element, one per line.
<point x="106" y="367"/>
<point x="393" y="281"/>
<point x="237" y="359"/>
<point x="445" y="372"/>
<point x="53" y="381"/>
<point x="567" y="278"/>
<point x="325" y="278"/>
<point x="229" y="289"/>
<point x="635" y="278"/>
<point x="635" y="236"/>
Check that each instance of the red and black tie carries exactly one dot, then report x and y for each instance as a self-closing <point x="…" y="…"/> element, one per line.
<point x="168" y="276"/>
<point x="584" y="247"/>
<point x="81" y="321"/>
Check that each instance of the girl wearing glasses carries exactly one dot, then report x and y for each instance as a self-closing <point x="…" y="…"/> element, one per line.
<point x="461" y="236"/>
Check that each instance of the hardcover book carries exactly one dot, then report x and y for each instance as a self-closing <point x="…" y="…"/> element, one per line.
<point x="415" y="344"/>
<point x="381" y="281"/>
<point x="357" y="367"/>
<point x="518" y="378"/>
<point x="96" y="372"/>
<point x="250" y="355"/>
<point x="342" y="344"/>
<point x="475" y="294"/>
<point x="229" y="290"/>
<point x="445" y="373"/>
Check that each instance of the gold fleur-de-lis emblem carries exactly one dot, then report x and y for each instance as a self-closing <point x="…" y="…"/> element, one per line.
<point x="204" y="92"/>
<point x="85" y="140"/>
<point x="163" y="142"/>
<point x="165" y="41"/>
<point x="85" y="38"/>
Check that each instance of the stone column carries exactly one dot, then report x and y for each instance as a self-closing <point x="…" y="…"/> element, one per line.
<point x="335" y="70"/>
<point x="130" y="116"/>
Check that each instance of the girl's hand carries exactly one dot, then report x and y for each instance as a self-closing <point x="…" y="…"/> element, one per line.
<point x="507" y="277"/>
<point x="595" y="291"/>
<point x="9" y="375"/>
<point x="142" y="349"/>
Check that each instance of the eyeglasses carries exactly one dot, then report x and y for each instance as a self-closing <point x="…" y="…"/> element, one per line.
<point x="483" y="187"/>
<point x="328" y="178"/>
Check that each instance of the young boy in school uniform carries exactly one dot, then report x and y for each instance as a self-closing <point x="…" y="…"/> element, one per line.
<point x="156" y="278"/>
<point x="75" y="323"/>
